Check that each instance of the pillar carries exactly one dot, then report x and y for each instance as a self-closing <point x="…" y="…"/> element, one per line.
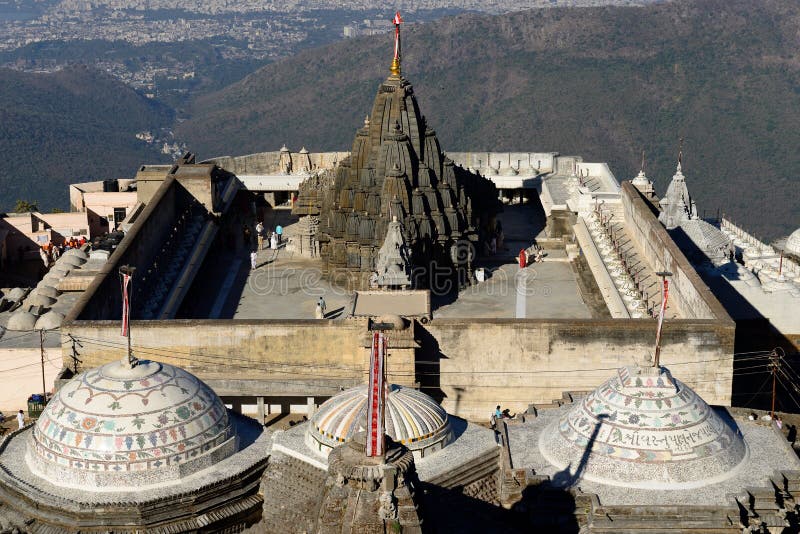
<point x="312" y="406"/>
<point x="262" y="414"/>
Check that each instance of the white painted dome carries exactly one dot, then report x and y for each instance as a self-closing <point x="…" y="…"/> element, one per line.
<point x="71" y="260"/>
<point x="793" y="243"/>
<point x="21" y="321"/>
<point x="412" y="418"/>
<point x="49" y="321"/>
<point x="645" y="429"/>
<point x="38" y="299"/>
<point x="15" y="294"/>
<point x="47" y="291"/>
<point x="77" y="252"/>
<point x="117" y="427"/>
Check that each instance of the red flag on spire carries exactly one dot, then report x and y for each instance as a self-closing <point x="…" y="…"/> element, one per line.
<point x="397" y="19"/>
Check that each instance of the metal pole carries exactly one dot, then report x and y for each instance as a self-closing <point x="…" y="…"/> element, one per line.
<point x="773" y="363"/>
<point x="127" y="270"/>
<point x="41" y="352"/>
<point x="664" y="294"/>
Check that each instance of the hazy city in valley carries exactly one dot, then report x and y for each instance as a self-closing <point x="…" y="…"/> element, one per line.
<point x="320" y="266"/>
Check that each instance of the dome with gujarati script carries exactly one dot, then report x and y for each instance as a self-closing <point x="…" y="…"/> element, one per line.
<point x="645" y="429"/>
<point x="412" y="418"/>
<point x="118" y="426"/>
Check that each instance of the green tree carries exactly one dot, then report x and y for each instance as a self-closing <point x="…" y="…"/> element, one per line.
<point x="25" y="206"/>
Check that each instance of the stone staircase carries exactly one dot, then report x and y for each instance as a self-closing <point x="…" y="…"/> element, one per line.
<point x="174" y="252"/>
<point x="635" y="281"/>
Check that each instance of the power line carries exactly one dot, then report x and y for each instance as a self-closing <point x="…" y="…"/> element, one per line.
<point x="757" y="393"/>
<point x="780" y="380"/>
<point x="198" y="357"/>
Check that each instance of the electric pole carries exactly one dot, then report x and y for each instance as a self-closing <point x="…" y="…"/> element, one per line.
<point x="774" y="365"/>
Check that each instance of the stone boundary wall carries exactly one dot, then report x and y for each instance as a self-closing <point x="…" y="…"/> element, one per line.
<point x="269" y="162"/>
<point x="482" y="363"/>
<point x="687" y="290"/>
<point x="282" y="355"/>
<point x="471" y="365"/>
<point x="519" y="161"/>
<point x="102" y="298"/>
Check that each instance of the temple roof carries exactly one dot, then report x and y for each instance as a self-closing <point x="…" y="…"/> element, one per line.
<point x="643" y="428"/>
<point x="412" y="418"/>
<point x="677" y="205"/>
<point x="129" y="426"/>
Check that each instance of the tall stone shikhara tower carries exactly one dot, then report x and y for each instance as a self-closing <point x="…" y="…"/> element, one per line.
<point x="396" y="169"/>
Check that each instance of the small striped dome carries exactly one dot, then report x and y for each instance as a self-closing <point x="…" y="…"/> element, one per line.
<point x="412" y="418"/>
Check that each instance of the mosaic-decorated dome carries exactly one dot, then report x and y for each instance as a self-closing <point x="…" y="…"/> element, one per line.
<point x="643" y="428"/>
<point x="412" y="418"/>
<point x="118" y="426"/>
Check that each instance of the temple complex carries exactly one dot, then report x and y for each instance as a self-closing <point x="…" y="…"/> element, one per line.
<point x="245" y="393"/>
<point x="396" y="171"/>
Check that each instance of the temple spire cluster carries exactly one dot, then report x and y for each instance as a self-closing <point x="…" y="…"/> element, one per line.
<point x="396" y="169"/>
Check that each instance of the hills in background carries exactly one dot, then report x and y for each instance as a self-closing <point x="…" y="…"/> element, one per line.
<point x="71" y="126"/>
<point x="604" y="83"/>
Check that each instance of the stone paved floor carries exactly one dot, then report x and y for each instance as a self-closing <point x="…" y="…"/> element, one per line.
<point x="286" y="285"/>
<point x="549" y="291"/>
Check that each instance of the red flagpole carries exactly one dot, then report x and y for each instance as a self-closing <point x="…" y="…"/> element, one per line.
<point x="664" y="296"/>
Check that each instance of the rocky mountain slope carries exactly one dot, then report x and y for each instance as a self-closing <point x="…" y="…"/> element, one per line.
<point x="70" y="126"/>
<point x="605" y="83"/>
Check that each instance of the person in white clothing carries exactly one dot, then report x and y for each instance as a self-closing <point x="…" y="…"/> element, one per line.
<point x="21" y="419"/>
<point x="253" y="259"/>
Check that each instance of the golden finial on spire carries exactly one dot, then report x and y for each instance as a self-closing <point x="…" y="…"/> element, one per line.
<point x="395" y="68"/>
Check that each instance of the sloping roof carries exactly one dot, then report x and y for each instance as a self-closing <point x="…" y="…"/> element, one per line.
<point x="707" y="237"/>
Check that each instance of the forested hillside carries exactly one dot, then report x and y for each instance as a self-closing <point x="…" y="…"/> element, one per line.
<point x="71" y="126"/>
<point x="604" y="83"/>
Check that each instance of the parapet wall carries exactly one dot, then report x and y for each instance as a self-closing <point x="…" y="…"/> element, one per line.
<point x="472" y="365"/>
<point x="270" y="162"/>
<point x="235" y="355"/>
<point x="687" y="290"/>
<point x="482" y="363"/>
<point x="102" y="299"/>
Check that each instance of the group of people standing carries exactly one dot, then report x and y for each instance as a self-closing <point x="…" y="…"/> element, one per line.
<point x="50" y="252"/>
<point x="273" y="238"/>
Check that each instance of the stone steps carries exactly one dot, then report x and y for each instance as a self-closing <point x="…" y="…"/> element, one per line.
<point x="470" y="472"/>
<point x="699" y="519"/>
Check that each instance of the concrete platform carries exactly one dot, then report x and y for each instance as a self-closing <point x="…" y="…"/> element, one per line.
<point x="546" y="290"/>
<point x="286" y="286"/>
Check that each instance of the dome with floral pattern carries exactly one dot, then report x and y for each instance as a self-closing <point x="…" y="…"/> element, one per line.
<point x="644" y="428"/>
<point x="120" y="426"/>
